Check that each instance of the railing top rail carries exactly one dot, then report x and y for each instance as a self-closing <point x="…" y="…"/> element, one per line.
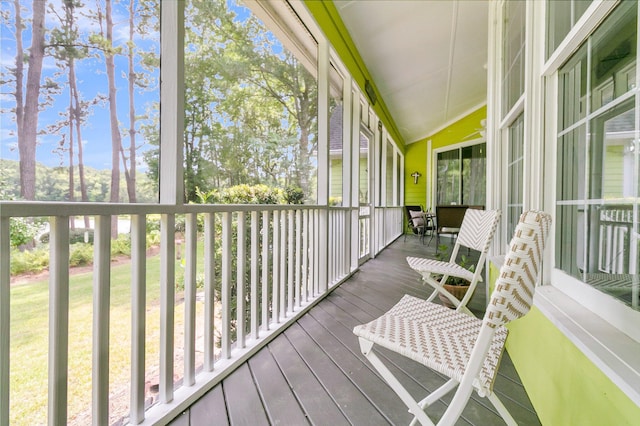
<point x="54" y="208"/>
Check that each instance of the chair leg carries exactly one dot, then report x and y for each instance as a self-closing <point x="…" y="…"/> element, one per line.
<point x="366" y="347"/>
<point x="504" y="413"/>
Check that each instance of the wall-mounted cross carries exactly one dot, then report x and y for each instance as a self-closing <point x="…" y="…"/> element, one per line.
<point x="415" y="176"/>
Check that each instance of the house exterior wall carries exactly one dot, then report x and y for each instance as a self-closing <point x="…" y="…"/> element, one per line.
<point x="420" y="154"/>
<point x="564" y="386"/>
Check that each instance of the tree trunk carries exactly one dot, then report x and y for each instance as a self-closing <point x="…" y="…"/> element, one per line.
<point x="19" y="72"/>
<point x="131" y="176"/>
<point x="27" y="140"/>
<point x="116" y="140"/>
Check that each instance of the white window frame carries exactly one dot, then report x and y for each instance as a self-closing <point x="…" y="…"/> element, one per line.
<point x="576" y="308"/>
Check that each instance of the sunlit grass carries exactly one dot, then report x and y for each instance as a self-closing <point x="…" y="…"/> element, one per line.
<point x="30" y="341"/>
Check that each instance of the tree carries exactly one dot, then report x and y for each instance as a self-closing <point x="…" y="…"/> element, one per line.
<point x="250" y="108"/>
<point x="27" y="108"/>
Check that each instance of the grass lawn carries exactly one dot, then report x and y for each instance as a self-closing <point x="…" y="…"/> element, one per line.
<point x="29" y="343"/>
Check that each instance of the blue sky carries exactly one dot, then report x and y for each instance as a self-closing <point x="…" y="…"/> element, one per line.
<point x="92" y="80"/>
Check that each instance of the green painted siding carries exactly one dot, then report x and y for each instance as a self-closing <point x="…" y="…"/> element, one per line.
<point x="564" y="386"/>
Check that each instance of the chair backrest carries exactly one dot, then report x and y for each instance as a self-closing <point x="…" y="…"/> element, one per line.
<point x="450" y="216"/>
<point x="478" y="228"/>
<point x="407" y="215"/>
<point x="513" y="295"/>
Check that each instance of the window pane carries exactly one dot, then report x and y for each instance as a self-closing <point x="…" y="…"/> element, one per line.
<point x="572" y="89"/>
<point x="336" y="147"/>
<point x="562" y="15"/>
<point x="389" y="183"/>
<point x="514" y="173"/>
<point x="365" y="143"/>
<point x="570" y="241"/>
<point x="513" y="83"/>
<point x="613" y="56"/>
<point x="78" y="143"/>
<point x="448" y="169"/>
<point x="250" y="108"/>
<point x="474" y="174"/>
<point x="598" y="173"/>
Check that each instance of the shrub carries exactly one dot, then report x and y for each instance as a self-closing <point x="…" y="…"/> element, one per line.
<point x="22" y="231"/>
<point x="29" y="261"/>
<point x="81" y="254"/>
<point x="75" y="236"/>
<point x="121" y="246"/>
<point x="294" y="195"/>
<point x="246" y="194"/>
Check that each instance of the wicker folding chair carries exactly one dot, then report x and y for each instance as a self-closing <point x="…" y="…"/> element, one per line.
<point x="462" y="347"/>
<point x="476" y="232"/>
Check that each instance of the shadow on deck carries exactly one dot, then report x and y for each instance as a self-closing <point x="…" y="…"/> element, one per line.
<point x="314" y="373"/>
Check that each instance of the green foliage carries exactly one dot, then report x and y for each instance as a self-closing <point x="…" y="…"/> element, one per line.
<point x="294" y="195"/>
<point x="257" y="194"/>
<point x="22" y="231"/>
<point x="335" y="201"/>
<point x="52" y="183"/>
<point x="442" y="255"/>
<point x="31" y="261"/>
<point x="121" y="246"/>
<point x="75" y="236"/>
<point x="81" y="254"/>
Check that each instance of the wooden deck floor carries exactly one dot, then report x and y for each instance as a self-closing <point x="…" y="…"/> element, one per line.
<point x="314" y="372"/>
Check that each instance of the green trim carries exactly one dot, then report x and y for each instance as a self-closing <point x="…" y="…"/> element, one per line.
<point x="328" y="19"/>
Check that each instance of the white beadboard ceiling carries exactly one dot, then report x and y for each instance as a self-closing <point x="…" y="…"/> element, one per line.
<point x="427" y="57"/>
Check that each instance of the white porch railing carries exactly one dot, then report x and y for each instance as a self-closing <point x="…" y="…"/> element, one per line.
<point x="264" y="266"/>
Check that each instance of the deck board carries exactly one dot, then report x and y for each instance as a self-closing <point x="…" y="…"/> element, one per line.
<point x="314" y="373"/>
<point x="279" y="400"/>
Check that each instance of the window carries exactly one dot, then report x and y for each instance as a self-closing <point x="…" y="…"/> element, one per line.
<point x="390" y="175"/>
<point x="513" y="54"/>
<point x="462" y="176"/>
<point x="515" y="166"/>
<point x="561" y="17"/>
<point x="597" y="226"/>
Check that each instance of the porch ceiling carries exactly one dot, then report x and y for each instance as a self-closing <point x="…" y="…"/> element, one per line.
<point x="427" y="58"/>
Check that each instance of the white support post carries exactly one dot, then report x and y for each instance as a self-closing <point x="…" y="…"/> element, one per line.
<point x="209" y="289"/>
<point x="190" y="252"/>
<point x="138" y="316"/>
<point x="255" y="245"/>
<point x="58" y="319"/>
<point x="299" y="253"/>
<point x="167" y="304"/>
<point x="355" y="181"/>
<point x="305" y="256"/>
<point x="275" y="276"/>
<point x="290" y="259"/>
<point x="172" y="102"/>
<point x="323" y="162"/>
<point x="265" y="270"/>
<point x="101" y="304"/>
<point x="241" y="261"/>
<point x="347" y="162"/>
<point x="282" y="312"/>
<point x="5" y="318"/>
<point x="226" y="286"/>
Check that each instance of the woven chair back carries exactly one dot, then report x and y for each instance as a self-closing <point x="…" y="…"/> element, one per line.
<point x="478" y="228"/>
<point x="513" y="295"/>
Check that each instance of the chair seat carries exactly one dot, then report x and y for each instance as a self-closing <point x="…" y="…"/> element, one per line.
<point x="433" y="266"/>
<point x="435" y="336"/>
<point x="449" y="230"/>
